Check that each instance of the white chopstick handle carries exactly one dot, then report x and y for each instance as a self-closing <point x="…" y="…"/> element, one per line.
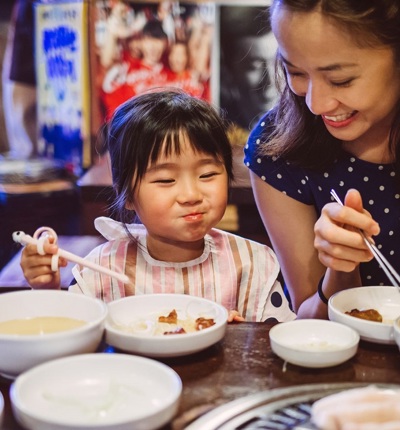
<point x="25" y="239"/>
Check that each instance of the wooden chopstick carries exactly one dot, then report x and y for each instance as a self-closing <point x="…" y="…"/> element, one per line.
<point x="389" y="270"/>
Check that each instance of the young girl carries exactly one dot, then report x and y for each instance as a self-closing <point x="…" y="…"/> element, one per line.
<point x="335" y="126"/>
<point x="171" y="165"/>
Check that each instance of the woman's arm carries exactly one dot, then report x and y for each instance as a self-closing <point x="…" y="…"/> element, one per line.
<point x="308" y="248"/>
<point x="290" y="226"/>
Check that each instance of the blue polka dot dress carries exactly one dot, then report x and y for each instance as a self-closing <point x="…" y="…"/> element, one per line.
<point x="376" y="183"/>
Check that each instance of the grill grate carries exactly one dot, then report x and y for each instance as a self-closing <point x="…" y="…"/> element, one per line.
<point x="278" y="409"/>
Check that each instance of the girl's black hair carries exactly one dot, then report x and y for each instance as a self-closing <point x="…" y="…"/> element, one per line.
<point x="151" y="124"/>
<point x="300" y="136"/>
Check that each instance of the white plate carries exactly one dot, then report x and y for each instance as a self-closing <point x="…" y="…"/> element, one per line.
<point x="96" y="391"/>
<point x="313" y="342"/>
<point x="384" y="299"/>
<point x="129" y="311"/>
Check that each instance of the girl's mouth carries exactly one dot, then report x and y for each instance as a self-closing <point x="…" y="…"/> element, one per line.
<point x="193" y="217"/>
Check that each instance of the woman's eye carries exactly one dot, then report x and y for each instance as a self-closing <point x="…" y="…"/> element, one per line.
<point x="345" y="83"/>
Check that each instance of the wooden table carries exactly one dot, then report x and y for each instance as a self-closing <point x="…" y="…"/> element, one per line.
<point x="243" y="364"/>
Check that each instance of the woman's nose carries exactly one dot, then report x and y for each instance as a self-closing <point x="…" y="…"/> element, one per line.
<point x="320" y="98"/>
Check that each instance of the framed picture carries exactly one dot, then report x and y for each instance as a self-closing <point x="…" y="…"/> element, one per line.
<point x="247" y="58"/>
<point x="145" y="45"/>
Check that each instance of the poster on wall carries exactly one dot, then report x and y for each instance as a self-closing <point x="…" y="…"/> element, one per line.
<point x="61" y="44"/>
<point x="247" y="56"/>
<point x="145" y="45"/>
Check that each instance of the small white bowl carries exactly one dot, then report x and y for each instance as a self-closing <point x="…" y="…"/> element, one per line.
<point x="314" y="342"/>
<point x="125" y="313"/>
<point x="1" y="409"/>
<point x="396" y="331"/>
<point x="19" y="353"/>
<point x="96" y="391"/>
<point x="384" y="299"/>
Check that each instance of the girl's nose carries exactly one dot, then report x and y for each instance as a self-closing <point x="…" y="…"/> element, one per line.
<point x="189" y="192"/>
<point x="320" y="98"/>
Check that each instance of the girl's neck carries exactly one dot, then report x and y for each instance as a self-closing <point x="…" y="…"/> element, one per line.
<point x="174" y="252"/>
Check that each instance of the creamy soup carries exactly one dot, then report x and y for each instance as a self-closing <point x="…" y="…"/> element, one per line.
<point x="39" y="325"/>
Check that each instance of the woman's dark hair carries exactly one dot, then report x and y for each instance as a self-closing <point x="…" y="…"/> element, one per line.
<point x="152" y="124"/>
<point x="300" y="136"/>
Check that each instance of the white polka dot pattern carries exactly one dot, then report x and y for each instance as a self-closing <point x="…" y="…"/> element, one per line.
<point x="376" y="182"/>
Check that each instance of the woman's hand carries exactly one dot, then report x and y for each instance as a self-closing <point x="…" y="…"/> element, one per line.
<point x="37" y="268"/>
<point x="339" y="244"/>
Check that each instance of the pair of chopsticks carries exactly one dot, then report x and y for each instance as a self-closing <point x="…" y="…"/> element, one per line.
<point x="25" y="239"/>
<point x="386" y="266"/>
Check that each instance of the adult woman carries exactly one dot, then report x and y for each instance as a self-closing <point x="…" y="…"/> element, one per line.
<point x="336" y="125"/>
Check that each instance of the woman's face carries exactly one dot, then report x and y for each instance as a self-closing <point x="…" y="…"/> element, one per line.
<point x="354" y="89"/>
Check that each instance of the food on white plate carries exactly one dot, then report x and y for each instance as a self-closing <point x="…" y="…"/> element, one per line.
<point x="366" y="408"/>
<point x="167" y="324"/>
<point x="367" y="314"/>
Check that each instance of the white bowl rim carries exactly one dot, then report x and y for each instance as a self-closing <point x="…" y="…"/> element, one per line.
<point x="111" y="329"/>
<point x="59" y="334"/>
<point x="312" y="321"/>
<point x="350" y="317"/>
<point x="95" y="356"/>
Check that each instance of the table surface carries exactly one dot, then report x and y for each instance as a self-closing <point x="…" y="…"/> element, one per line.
<point x="243" y="364"/>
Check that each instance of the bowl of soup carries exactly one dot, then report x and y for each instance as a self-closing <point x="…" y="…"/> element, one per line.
<point x="40" y="325"/>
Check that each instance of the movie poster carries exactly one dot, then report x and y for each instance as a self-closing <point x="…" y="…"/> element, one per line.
<point x="145" y="45"/>
<point x="247" y="57"/>
<point x="61" y="43"/>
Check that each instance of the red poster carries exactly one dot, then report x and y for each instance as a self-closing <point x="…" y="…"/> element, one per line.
<point x="141" y="46"/>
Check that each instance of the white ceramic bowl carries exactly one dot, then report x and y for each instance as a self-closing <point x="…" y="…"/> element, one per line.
<point x="125" y="314"/>
<point x="313" y="342"/>
<point x="386" y="300"/>
<point x="96" y="391"/>
<point x="1" y="409"/>
<point x="396" y="331"/>
<point x="19" y="353"/>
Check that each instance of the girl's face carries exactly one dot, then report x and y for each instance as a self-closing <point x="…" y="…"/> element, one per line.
<point x="180" y="198"/>
<point x="354" y="89"/>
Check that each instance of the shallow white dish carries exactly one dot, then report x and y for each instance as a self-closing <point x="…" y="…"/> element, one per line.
<point x="384" y="299"/>
<point x="314" y="342"/>
<point x="129" y="311"/>
<point x="19" y="353"/>
<point x="96" y="391"/>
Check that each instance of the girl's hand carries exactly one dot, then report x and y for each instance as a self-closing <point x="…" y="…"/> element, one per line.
<point x="234" y="316"/>
<point x="37" y="268"/>
<point x="339" y="244"/>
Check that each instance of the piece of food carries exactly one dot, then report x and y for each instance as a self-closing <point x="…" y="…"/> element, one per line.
<point x="368" y="314"/>
<point x="367" y="408"/>
<point x="202" y="323"/>
<point x="171" y="318"/>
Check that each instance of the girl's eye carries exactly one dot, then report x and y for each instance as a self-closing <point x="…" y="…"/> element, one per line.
<point x="164" y="181"/>
<point x="208" y="175"/>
